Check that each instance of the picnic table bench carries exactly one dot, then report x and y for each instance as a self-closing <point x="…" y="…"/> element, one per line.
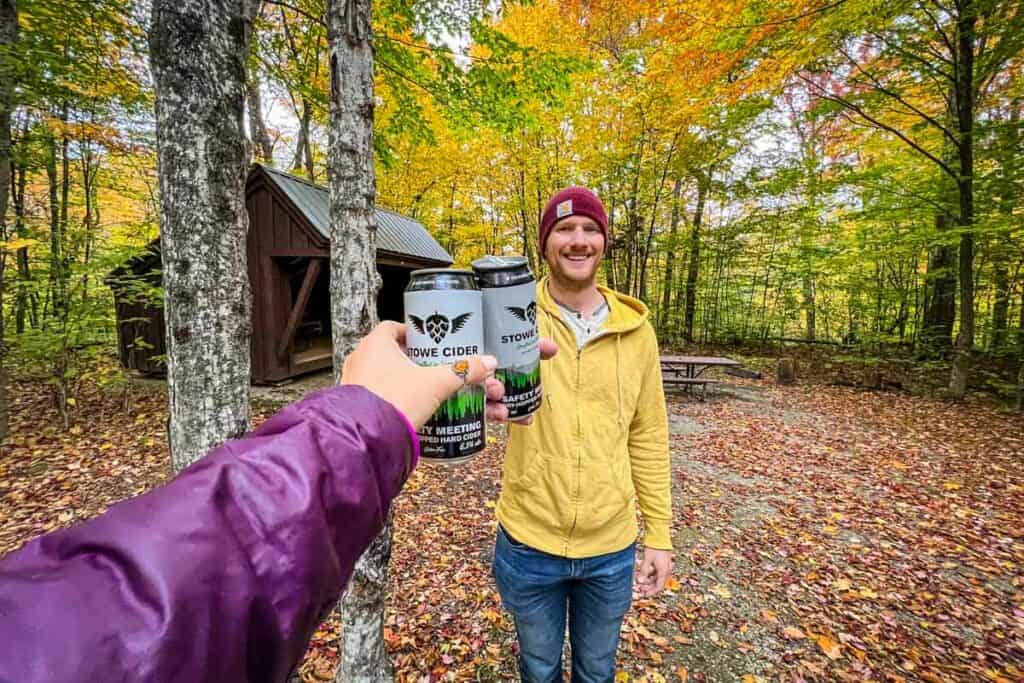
<point x="687" y="371"/>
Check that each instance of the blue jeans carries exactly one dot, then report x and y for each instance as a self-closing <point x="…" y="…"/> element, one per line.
<point x="538" y="589"/>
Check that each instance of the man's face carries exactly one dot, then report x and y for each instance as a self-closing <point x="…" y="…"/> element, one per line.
<point x="574" y="249"/>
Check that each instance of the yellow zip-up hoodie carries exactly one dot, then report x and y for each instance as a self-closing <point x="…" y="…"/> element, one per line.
<point x="598" y="444"/>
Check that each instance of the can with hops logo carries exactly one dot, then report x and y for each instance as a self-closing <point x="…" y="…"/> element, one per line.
<point x="510" y="329"/>
<point x="444" y="326"/>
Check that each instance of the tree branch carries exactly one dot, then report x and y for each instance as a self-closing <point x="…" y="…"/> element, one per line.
<point x="411" y="81"/>
<point x="941" y="31"/>
<point x="315" y="19"/>
<point x="919" y="59"/>
<point x="888" y="190"/>
<point x="453" y="53"/>
<point x="882" y="126"/>
<point x="877" y="84"/>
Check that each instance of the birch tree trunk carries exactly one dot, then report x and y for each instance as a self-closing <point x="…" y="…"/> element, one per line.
<point x="8" y="34"/>
<point x="198" y="50"/>
<point x="363" y="655"/>
<point x="354" y="283"/>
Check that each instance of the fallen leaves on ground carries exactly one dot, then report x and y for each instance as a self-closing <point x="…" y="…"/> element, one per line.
<point x="51" y="477"/>
<point x="821" y="533"/>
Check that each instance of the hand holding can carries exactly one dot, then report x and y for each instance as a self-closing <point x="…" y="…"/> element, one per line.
<point x="510" y="329"/>
<point x="379" y="363"/>
<point x="443" y="312"/>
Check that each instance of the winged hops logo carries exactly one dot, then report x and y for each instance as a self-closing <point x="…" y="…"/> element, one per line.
<point x="525" y="314"/>
<point x="437" y="326"/>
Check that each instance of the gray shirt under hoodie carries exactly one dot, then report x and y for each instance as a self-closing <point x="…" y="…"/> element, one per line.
<point x="584" y="329"/>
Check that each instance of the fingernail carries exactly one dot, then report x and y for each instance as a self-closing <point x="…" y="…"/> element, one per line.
<point x="490" y="362"/>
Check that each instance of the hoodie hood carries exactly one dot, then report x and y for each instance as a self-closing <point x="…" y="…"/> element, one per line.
<point x="624" y="312"/>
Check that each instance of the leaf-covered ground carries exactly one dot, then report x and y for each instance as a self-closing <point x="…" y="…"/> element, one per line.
<point x="821" y="533"/>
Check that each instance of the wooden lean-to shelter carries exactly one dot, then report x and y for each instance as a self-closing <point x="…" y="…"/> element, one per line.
<point x="289" y="269"/>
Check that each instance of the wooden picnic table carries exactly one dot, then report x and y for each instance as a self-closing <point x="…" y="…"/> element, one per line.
<point x="687" y="371"/>
<point x="694" y="366"/>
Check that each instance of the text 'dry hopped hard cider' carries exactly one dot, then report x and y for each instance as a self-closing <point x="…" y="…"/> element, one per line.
<point x="444" y="323"/>
<point x="510" y="329"/>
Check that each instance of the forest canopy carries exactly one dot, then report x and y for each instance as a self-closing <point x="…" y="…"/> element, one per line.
<point x="844" y="172"/>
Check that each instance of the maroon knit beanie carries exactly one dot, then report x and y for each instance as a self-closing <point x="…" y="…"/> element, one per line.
<point x="572" y="201"/>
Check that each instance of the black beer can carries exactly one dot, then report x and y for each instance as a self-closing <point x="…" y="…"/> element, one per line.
<point x="510" y="329"/>
<point x="444" y="326"/>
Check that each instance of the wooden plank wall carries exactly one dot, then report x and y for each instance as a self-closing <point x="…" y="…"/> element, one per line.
<point x="140" y="321"/>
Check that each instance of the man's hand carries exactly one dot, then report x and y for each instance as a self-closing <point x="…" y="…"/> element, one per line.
<point x="497" y="411"/>
<point x="652" y="570"/>
<point x="379" y="363"/>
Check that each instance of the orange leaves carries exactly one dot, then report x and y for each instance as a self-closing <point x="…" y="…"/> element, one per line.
<point x="892" y="595"/>
<point x="830" y="647"/>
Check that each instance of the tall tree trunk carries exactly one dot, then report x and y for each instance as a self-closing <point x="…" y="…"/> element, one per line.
<point x="966" y="25"/>
<point x="645" y="251"/>
<point x="363" y="654"/>
<point x="940" y="278"/>
<point x="1001" y="305"/>
<point x="57" y="288"/>
<point x="940" y="293"/>
<point x="810" y="143"/>
<point x="91" y="220"/>
<point x="65" y="191"/>
<point x="452" y="245"/>
<point x="263" y="146"/>
<point x="299" y="162"/>
<point x="633" y="222"/>
<point x="670" y="256"/>
<point x="609" y="261"/>
<point x="680" y="294"/>
<point x="692" y="274"/>
<point x="1000" y="260"/>
<point x="307" y="114"/>
<point x="198" y="52"/>
<point x="524" y="218"/>
<point x="27" y="297"/>
<point x="354" y="285"/>
<point x="809" y="305"/>
<point x="8" y="35"/>
<point x="807" y="276"/>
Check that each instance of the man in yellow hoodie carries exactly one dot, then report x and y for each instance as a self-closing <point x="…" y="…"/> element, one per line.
<point x="597" y="447"/>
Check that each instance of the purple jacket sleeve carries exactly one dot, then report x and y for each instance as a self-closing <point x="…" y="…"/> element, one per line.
<point x="221" y="574"/>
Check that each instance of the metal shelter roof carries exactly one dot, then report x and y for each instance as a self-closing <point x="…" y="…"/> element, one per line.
<point x="396" y="233"/>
